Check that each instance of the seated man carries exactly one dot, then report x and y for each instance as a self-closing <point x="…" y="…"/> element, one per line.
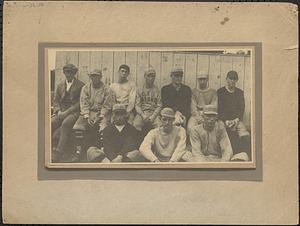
<point x="166" y="143"/>
<point x="204" y="95"/>
<point x="120" y="140"/>
<point x="148" y="104"/>
<point x="125" y="91"/>
<point x="178" y="97"/>
<point x="95" y="104"/>
<point x="209" y="140"/>
<point x="66" y="112"/>
<point x="231" y="107"/>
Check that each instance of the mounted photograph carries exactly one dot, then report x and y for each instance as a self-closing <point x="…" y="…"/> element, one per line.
<point x="150" y="107"/>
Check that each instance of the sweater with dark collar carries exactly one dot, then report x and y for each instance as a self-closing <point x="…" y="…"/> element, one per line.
<point x="117" y="142"/>
<point x="231" y="105"/>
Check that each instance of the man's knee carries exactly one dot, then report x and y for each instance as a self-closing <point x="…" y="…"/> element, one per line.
<point x="68" y="122"/>
<point x="242" y="130"/>
<point x="191" y="123"/>
<point x="80" y="124"/>
<point x="131" y="118"/>
<point x="138" y="122"/>
<point x="157" y="122"/>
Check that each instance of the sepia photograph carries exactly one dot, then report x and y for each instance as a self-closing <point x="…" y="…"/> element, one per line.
<point x="143" y="112"/>
<point x="173" y="106"/>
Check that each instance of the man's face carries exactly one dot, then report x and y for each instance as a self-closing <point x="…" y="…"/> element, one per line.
<point x="150" y="78"/>
<point x="167" y="123"/>
<point x="202" y="83"/>
<point x="123" y="74"/>
<point x="96" y="79"/>
<point x="210" y="121"/>
<point x="177" y="78"/>
<point x="119" y="117"/>
<point x="70" y="74"/>
<point x="231" y="83"/>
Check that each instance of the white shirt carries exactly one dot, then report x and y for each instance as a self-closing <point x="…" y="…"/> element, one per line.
<point x="120" y="128"/>
<point x="69" y="84"/>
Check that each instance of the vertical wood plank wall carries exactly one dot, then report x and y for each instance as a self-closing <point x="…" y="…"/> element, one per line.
<point x="216" y="65"/>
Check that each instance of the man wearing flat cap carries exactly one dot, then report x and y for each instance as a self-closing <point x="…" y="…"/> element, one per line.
<point x="125" y="91"/>
<point x="204" y="95"/>
<point x="148" y="104"/>
<point x="66" y="111"/>
<point x="95" y="105"/>
<point x="231" y="107"/>
<point x="120" y="140"/>
<point x="166" y="143"/>
<point x="209" y="140"/>
<point x="178" y="97"/>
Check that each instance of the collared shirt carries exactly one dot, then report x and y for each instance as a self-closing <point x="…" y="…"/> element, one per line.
<point x="120" y="128"/>
<point x="69" y="84"/>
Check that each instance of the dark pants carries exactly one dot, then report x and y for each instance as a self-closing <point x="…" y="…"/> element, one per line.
<point x="65" y="126"/>
<point x="240" y="144"/>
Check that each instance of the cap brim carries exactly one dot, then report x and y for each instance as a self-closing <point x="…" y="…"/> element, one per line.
<point x="168" y="116"/>
<point x="210" y="113"/>
<point x="94" y="74"/>
<point x="233" y="77"/>
<point x="116" y="110"/>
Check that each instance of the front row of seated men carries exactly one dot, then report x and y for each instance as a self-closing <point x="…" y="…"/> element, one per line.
<point x="133" y="126"/>
<point x="167" y="143"/>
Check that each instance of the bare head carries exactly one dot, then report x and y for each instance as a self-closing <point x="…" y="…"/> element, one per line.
<point x="231" y="79"/>
<point x="124" y="71"/>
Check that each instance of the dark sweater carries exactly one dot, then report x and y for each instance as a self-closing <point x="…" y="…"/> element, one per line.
<point x="120" y="143"/>
<point x="230" y="105"/>
<point x="177" y="100"/>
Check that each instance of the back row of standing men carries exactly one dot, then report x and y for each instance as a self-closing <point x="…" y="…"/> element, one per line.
<point x="212" y="119"/>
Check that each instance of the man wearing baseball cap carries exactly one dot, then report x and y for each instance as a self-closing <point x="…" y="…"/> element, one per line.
<point x="95" y="105"/>
<point x="178" y="97"/>
<point x="231" y="107"/>
<point x="148" y="104"/>
<point x="209" y="140"/>
<point x="120" y="140"/>
<point x="166" y="143"/>
<point x="125" y="91"/>
<point x="66" y="112"/>
<point x="204" y="95"/>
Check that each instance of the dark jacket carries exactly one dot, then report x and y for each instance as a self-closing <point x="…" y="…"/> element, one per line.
<point x="177" y="100"/>
<point x="231" y="105"/>
<point x="74" y="95"/>
<point x="120" y="143"/>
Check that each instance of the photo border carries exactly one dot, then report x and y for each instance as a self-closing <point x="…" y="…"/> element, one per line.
<point x="67" y="170"/>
